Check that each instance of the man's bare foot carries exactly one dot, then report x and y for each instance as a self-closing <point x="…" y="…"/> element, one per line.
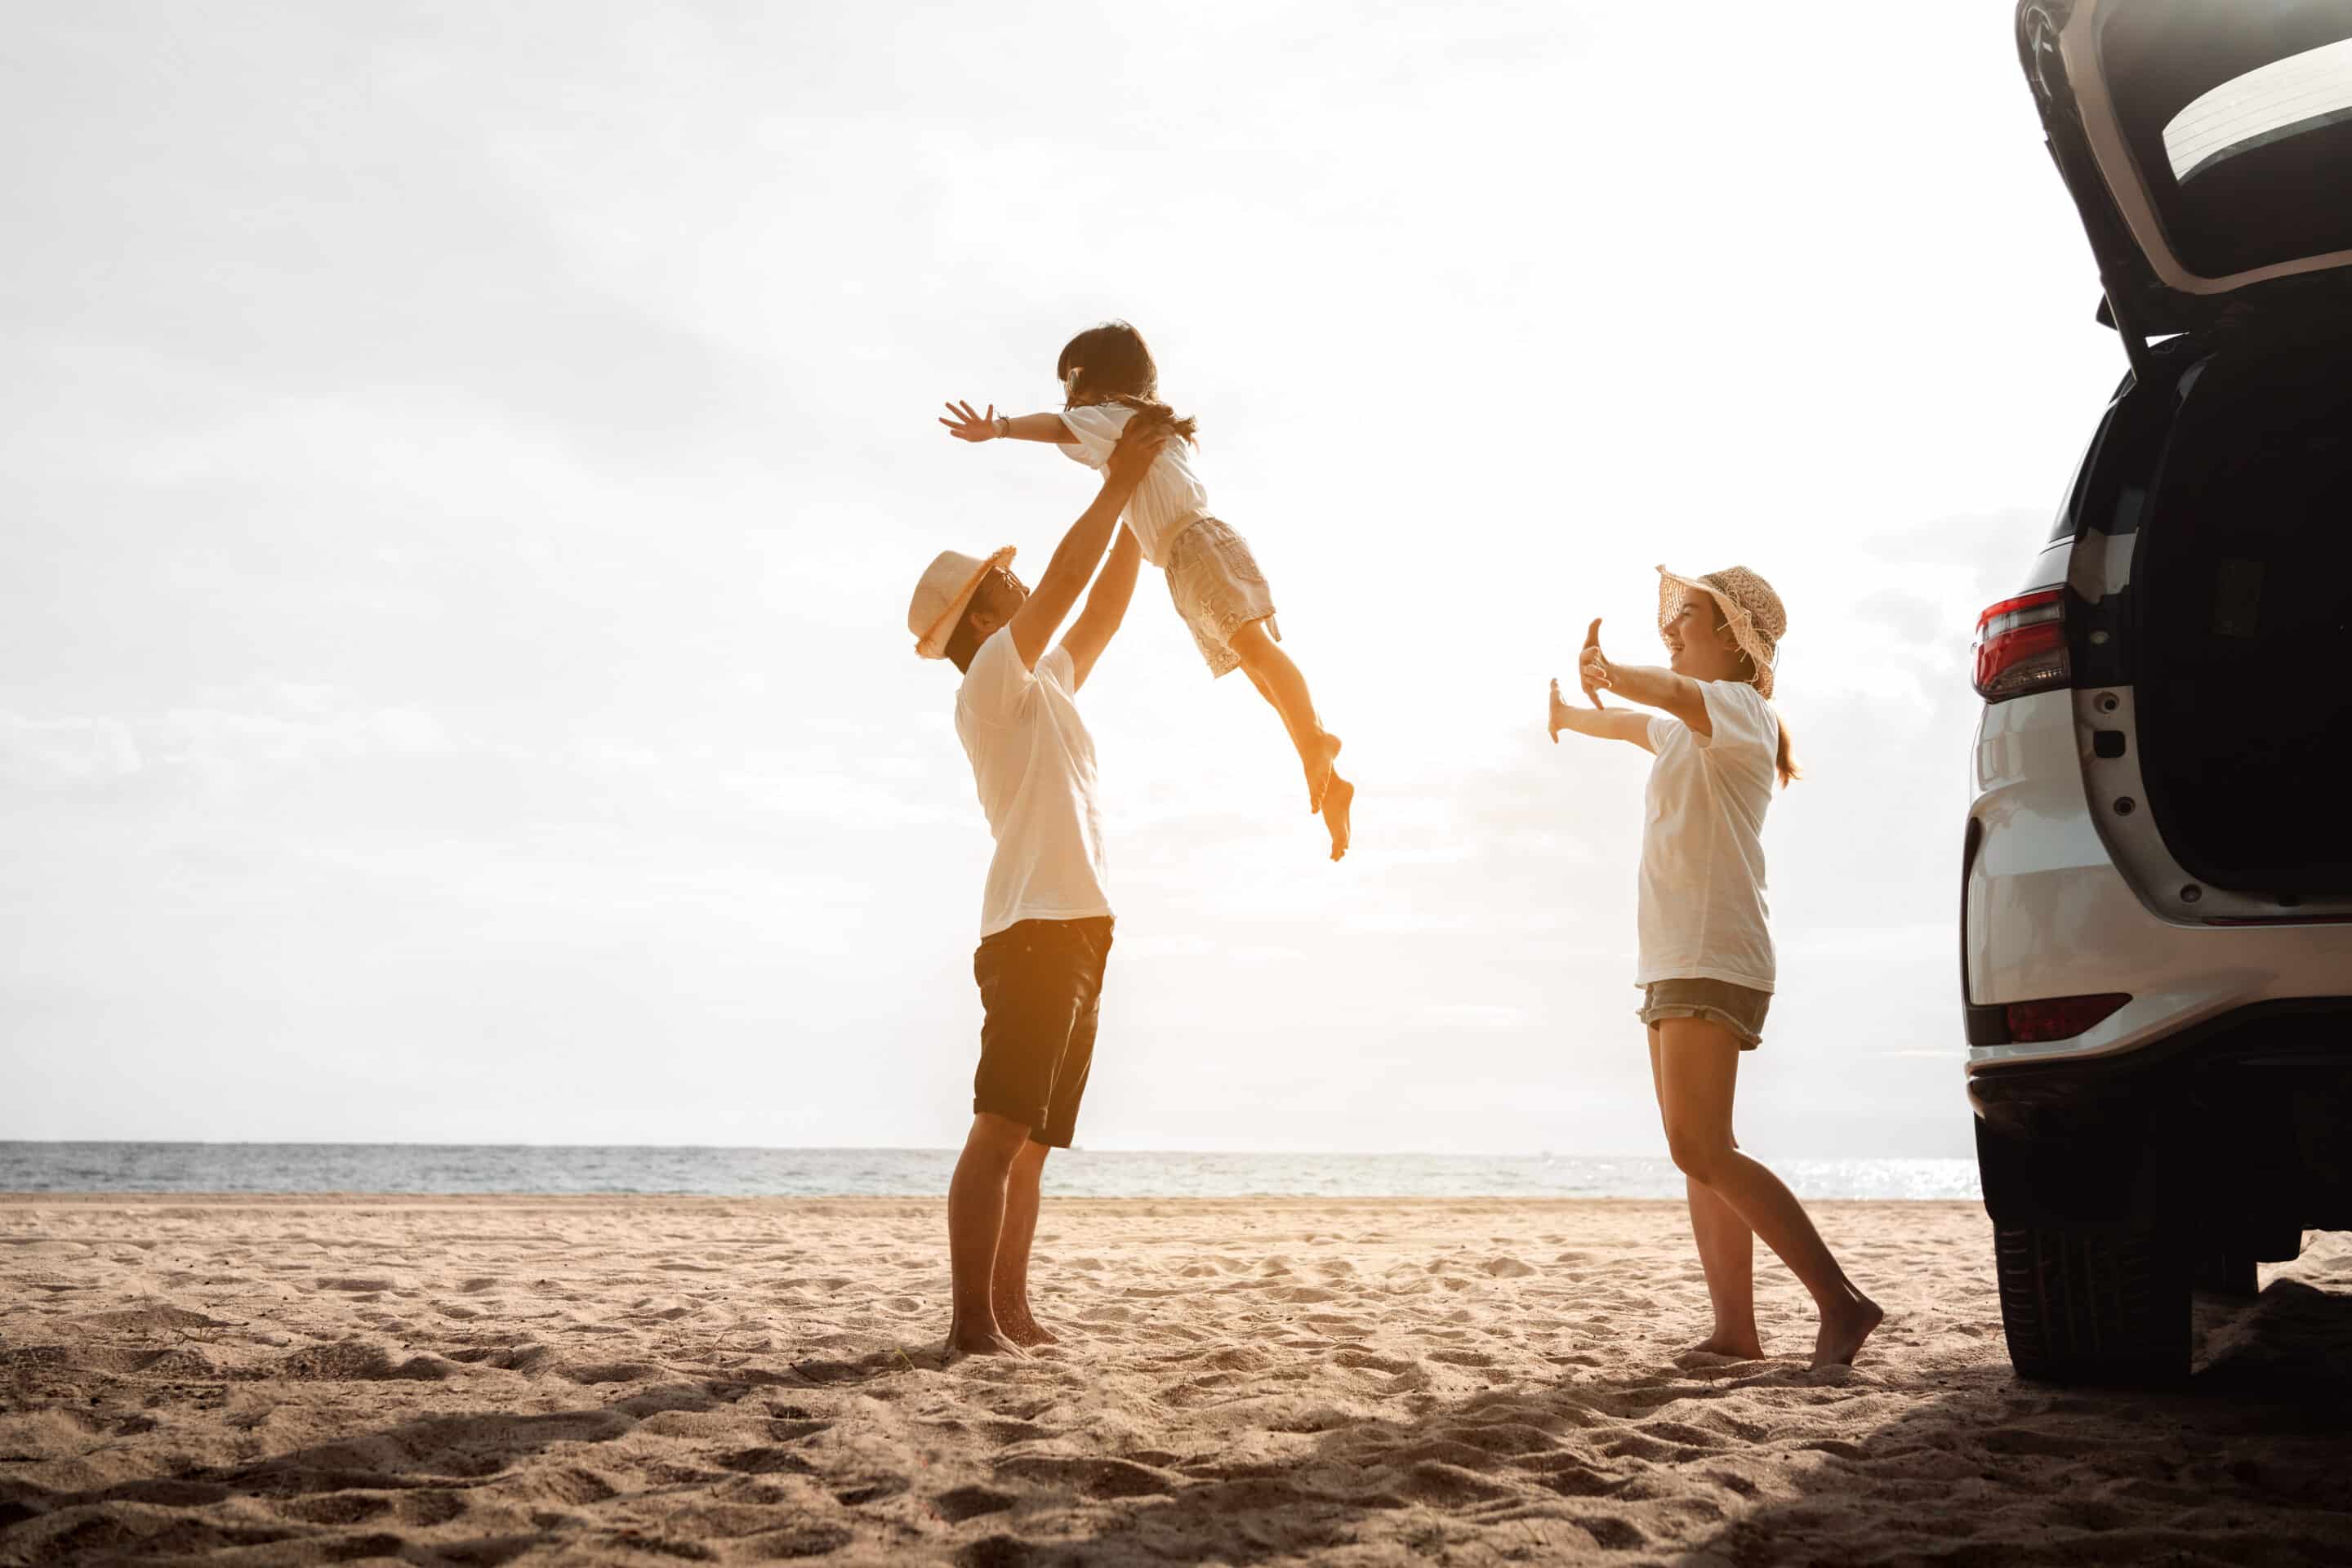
<point x="1322" y="756"/>
<point x="1731" y="1346"/>
<point x="1844" y="1331"/>
<point x="1024" y="1330"/>
<point x="984" y="1341"/>
<point x="1337" y="801"/>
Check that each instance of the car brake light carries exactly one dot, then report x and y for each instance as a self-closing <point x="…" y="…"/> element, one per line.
<point x="2059" y="1017"/>
<point x="2020" y="646"/>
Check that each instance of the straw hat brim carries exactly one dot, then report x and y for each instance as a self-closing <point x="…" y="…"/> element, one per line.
<point x="1674" y="588"/>
<point x="934" y="642"/>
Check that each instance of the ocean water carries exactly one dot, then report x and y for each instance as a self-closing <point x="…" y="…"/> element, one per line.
<point x="900" y="1172"/>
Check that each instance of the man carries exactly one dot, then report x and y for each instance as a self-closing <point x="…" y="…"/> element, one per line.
<point x="1045" y="917"/>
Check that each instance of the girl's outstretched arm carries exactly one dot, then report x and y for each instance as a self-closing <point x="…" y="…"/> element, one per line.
<point x="1605" y="723"/>
<point x="966" y="426"/>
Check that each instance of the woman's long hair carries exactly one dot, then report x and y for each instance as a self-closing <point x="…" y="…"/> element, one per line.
<point x="1115" y="366"/>
<point x="1785" y="760"/>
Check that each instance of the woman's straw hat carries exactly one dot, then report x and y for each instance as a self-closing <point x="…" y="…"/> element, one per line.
<point x="940" y="598"/>
<point x="1751" y="607"/>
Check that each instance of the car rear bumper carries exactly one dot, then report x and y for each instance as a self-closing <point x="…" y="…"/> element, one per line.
<point x="2241" y="1123"/>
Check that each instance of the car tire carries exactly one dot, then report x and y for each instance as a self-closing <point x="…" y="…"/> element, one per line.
<point x="2094" y="1306"/>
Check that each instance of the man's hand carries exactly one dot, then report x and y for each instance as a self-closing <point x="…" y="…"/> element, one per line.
<point x="1139" y="444"/>
<point x="1081" y="551"/>
<point x="1592" y="668"/>
<point x="969" y="426"/>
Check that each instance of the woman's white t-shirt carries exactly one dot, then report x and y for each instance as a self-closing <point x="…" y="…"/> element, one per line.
<point x="1033" y="763"/>
<point x="1703" y="915"/>
<point x="1170" y="500"/>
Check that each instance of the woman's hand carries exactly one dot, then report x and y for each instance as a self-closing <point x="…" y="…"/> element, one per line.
<point x="1592" y="667"/>
<point x="1560" y="711"/>
<point x="969" y="426"/>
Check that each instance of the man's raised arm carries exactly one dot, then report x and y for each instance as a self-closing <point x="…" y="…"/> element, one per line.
<point x="1081" y="551"/>
<point x="1106" y="607"/>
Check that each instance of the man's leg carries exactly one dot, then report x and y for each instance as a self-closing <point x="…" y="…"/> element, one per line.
<point x="976" y="1205"/>
<point x="1088" y="945"/>
<point x="1009" y="1284"/>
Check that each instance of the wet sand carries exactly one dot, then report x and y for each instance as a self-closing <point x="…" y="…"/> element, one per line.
<point x="650" y="1380"/>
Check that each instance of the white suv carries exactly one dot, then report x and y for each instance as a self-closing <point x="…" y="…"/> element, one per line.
<point x="2156" y="952"/>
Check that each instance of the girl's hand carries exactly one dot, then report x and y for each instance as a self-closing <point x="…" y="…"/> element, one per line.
<point x="1592" y="668"/>
<point x="969" y="426"/>
<point x="1558" y="712"/>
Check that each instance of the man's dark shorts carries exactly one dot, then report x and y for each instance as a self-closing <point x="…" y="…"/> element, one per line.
<point x="1040" y="988"/>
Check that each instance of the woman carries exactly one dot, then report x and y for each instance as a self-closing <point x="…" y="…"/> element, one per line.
<point x="1706" y="966"/>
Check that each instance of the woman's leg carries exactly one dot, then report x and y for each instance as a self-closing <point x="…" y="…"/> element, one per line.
<point x="1698" y="1067"/>
<point x="1727" y="1251"/>
<point x="1278" y="680"/>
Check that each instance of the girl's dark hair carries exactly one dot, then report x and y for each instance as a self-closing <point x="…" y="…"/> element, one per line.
<point x="1115" y="366"/>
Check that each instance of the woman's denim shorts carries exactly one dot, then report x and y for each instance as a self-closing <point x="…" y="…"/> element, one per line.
<point x="1737" y="1007"/>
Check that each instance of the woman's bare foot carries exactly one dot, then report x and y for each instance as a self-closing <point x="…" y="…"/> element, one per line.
<point x="1337" y="800"/>
<point x="1844" y="1331"/>
<point x="1322" y="756"/>
<point x="1731" y="1346"/>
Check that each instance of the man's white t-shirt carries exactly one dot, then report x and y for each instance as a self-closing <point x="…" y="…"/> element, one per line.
<point x="1170" y="500"/>
<point x="1034" y="764"/>
<point x="1703" y="915"/>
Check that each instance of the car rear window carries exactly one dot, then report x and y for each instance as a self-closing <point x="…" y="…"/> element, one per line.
<point x="2239" y="118"/>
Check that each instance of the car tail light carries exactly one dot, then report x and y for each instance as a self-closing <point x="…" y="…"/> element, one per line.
<point x="2021" y="647"/>
<point x="2058" y="1017"/>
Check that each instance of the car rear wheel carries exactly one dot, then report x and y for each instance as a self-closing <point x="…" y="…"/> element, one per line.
<point x="2094" y="1306"/>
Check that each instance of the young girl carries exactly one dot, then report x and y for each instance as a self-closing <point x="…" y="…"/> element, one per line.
<point x="1706" y="966"/>
<point x="1106" y="374"/>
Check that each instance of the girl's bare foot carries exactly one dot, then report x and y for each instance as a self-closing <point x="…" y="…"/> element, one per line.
<point x="1844" y="1331"/>
<point x="1337" y="800"/>
<point x="1322" y="756"/>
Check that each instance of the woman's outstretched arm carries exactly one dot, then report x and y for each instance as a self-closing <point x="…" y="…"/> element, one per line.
<point x="1678" y="695"/>
<point x="1605" y="724"/>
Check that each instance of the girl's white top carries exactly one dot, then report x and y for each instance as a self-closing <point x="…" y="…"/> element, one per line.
<point x="1702" y="915"/>
<point x="1170" y="500"/>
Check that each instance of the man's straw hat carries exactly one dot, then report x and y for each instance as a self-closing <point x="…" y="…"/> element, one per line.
<point x="1749" y="605"/>
<point x="946" y="589"/>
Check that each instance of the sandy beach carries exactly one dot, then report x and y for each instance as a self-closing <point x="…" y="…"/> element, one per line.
<point x="489" y="1380"/>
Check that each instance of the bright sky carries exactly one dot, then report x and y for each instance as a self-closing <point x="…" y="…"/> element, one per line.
<point x="464" y="470"/>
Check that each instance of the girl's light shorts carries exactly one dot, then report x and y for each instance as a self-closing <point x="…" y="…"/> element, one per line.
<point x="1218" y="589"/>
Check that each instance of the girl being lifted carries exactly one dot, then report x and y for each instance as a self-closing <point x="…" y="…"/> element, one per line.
<point x="1107" y="375"/>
